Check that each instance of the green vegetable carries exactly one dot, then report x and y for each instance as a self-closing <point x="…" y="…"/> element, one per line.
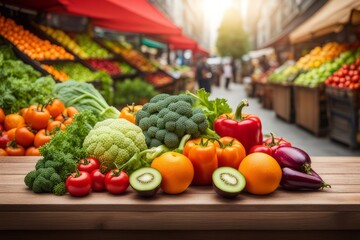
<point x="93" y="49"/>
<point x="212" y="109"/>
<point x="84" y="96"/>
<point x="114" y="141"/>
<point x="166" y="119"/>
<point x="80" y="73"/>
<point x="133" y="90"/>
<point x="145" y="158"/>
<point x="20" y="84"/>
<point x="60" y="156"/>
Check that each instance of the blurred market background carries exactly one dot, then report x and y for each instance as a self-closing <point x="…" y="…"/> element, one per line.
<point x="296" y="61"/>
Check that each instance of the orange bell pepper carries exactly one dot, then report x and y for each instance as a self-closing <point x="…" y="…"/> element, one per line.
<point x="230" y="152"/>
<point x="202" y="154"/>
<point x="129" y="112"/>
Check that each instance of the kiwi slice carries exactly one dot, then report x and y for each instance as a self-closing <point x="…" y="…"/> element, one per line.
<point x="228" y="182"/>
<point x="146" y="181"/>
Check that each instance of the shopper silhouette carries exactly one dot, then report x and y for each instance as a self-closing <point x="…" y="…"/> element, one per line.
<point x="228" y="74"/>
<point x="203" y="74"/>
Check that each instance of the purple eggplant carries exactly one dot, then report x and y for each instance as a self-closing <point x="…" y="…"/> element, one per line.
<point x="294" y="180"/>
<point x="293" y="157"/>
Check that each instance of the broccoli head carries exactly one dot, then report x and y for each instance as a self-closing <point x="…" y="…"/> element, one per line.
<point x="167" y="118"/>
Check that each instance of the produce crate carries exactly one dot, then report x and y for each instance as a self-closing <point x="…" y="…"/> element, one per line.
<point x="267" y="100"/>
<point x="343" y="111"/>
<point x="283" y="102"/>
<point x="310" y="108"/>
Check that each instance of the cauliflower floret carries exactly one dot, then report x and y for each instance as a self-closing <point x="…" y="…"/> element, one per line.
<point x="114" y="141"/>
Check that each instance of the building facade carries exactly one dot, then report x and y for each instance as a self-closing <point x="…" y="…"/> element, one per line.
<point x="188" y="15"/>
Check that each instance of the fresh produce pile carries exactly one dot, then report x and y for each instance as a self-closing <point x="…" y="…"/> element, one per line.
<point x="89" y="46"/>
<point x="20" y="84"/>
<point x="65" y="40"/>
<point x="321" y="55"/>
<point x="318" y="75"/>
<point x="348" y="76"/>
<point x="105" y="65"/>
<point x="24" y="132"/>
<point x="158" y="79"/>
<point x="36" y="48"/>
<point x="171" y="142"/>
<point x="133" y="91"/>
<point x="80" y="73"/>
<point x="132" y="56"/>
<point x="285" y="73"/>
<point x="125" y="68"/>
<point x="58" y="75"/>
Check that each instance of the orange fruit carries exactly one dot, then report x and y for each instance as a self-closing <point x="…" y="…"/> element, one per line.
<point x="3" y="153"/>
<point x="176" y="170"/>
<point x="262" y="173"/>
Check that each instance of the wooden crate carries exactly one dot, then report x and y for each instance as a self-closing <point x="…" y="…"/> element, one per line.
<point x="267" y="101"/>
<point x="343" y="111"/>
<point x="310" y="108"/>
<point x="283" y="102"/>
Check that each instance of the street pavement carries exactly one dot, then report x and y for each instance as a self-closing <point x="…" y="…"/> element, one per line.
<point x="316" y="146"/>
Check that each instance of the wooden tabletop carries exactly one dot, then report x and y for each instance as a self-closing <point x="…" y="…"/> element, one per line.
<point x="199" y="208"/>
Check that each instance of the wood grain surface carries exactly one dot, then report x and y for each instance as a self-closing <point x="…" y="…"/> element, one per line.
<point x="199" y="208"/>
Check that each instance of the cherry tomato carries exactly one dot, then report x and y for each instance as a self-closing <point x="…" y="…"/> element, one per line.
<point x="55" y="124"/>
<point x="4" y="139"/>
<point x="24" y="136"/>
<point x="98" y="180"/>
<point x="116" y="182"/>
<point x="261" y="148"/>
<point x="32" y="151"/>
<point x="55" y="107"/>
<point x="88" y="165"/>
<point x="15" y="150"/>
<point x="78" y="184"/>
<point x="13" y="121"/>
<point x="3" y="153"/>
<point x="37" y="117"/>
<point x="42" y="137"/>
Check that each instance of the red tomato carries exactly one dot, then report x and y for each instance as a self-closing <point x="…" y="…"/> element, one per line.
<point x="3" y="153"/>
<point x="14" y="150"/>
<point x="116" y="182"/>
<point x="37" y="117"/>
<point x="24" y="136"/>
<point x="55" y="125"/>
<point x="1" y="127"/>
<point x="261" y="148"/>
<point x="42" y="137"/>
<point x="88" y="165"/>
<point x="55" y="108"/>
<point x="4" y="139"/>
<point x="98" y="180"/>
<point x="78" y="184"/>
<point x="32" y="151"/>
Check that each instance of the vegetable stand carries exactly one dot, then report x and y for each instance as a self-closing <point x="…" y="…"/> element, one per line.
<point x="333" y="211"/>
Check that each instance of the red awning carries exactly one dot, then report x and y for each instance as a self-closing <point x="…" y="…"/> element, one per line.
<point x="202" y="51"/>
<point x="128" y="16"/>
<point x="181" y="42"/>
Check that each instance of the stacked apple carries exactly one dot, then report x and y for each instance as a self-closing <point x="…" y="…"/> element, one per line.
<point x="346" y="77"/>
<point x="105" y="65"/>
<point x="158" y="79"/>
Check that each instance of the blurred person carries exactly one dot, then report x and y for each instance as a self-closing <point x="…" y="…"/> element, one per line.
<point x="228" y="74"/>
<point x="264" y="63"/>
<point x="203" y="74"/>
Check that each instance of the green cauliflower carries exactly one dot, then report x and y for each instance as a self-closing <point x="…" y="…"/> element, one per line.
<point x="114" y="141"/>
<point x="166" y="119"/>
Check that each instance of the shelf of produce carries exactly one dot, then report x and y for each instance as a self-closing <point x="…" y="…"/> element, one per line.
<point x="310" y="108"/>
<point x="199" y="209"/>
<point x="283" y="102"/>
<point x="344" y="115"/>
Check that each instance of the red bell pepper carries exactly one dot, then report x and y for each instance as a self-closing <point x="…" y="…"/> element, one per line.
<point x="245" y="128"/>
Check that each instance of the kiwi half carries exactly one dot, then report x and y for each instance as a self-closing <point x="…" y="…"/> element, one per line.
<point x="228" y="182"/>
<point x="146" y="181"/>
